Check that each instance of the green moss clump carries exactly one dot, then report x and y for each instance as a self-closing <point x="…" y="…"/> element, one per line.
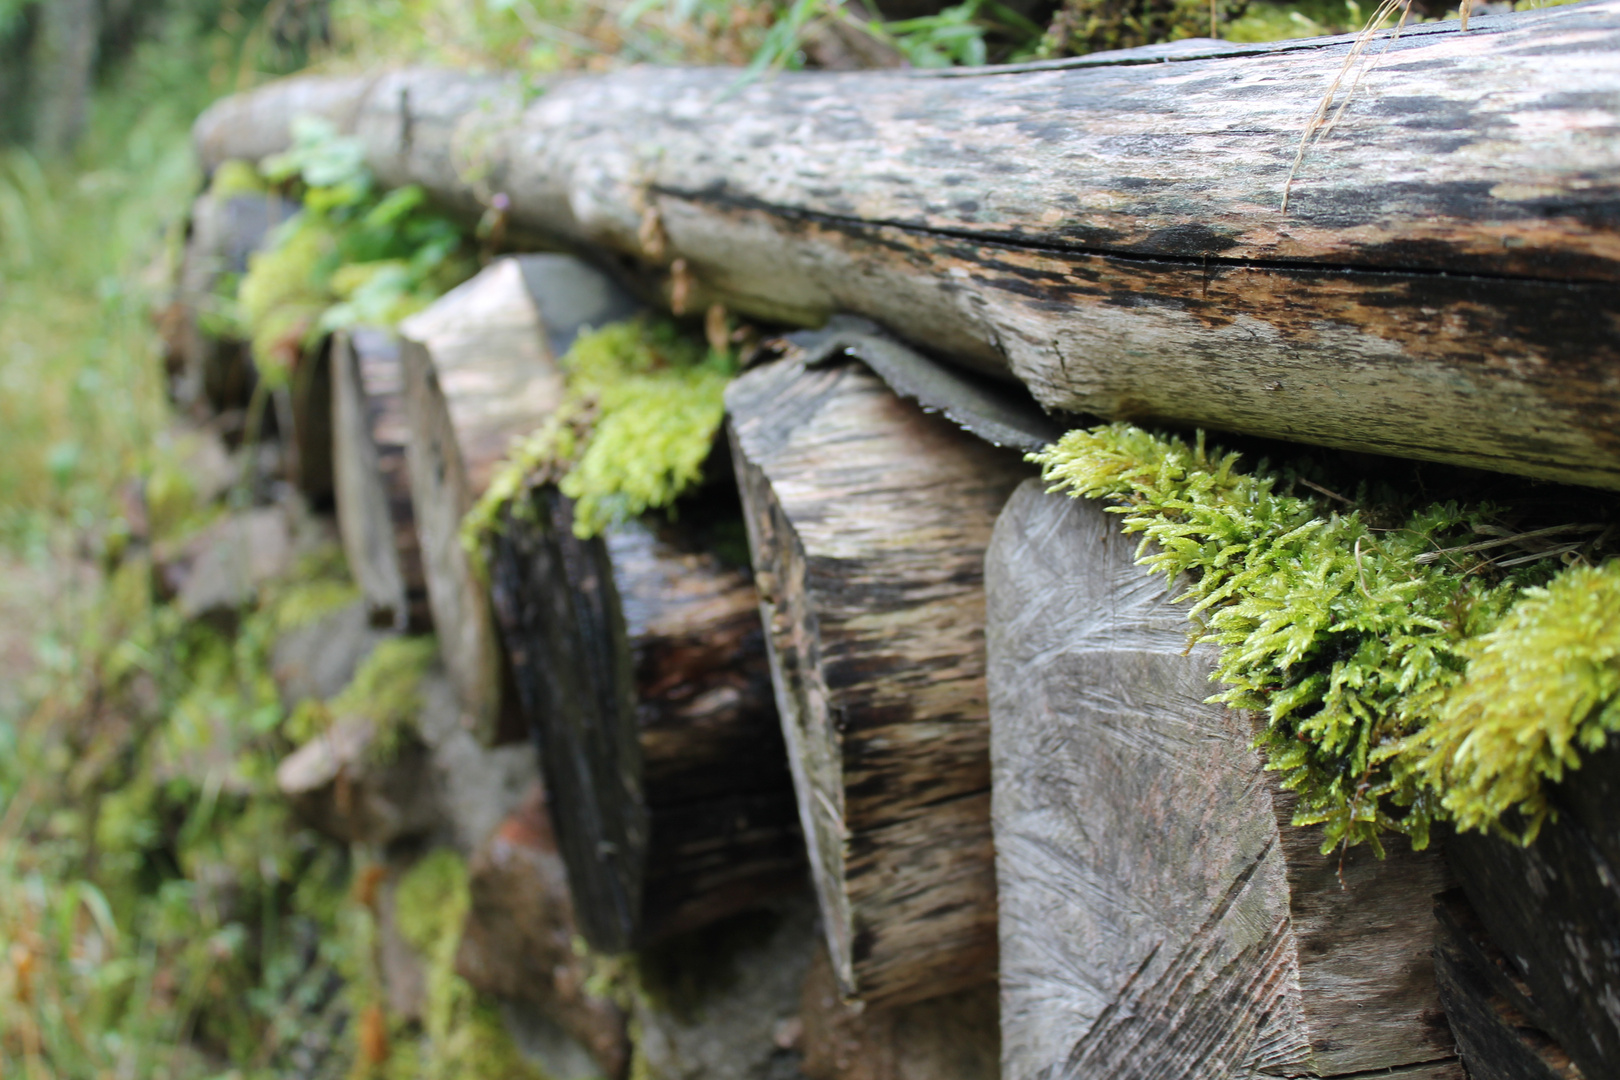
<point x="235" y="178"/>
<point x="1346" y="641"/>
<point x="386" y="689"/>
<point x="643" y="405"/>
<point x="1542" y="685"/>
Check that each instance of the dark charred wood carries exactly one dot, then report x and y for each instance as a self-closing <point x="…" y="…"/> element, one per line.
<point x="312" y="434"/>
<point x="1553" y="909"/>
<point x="372" y="483"/>
<point x="1108" y="230"/>
<point x="868" y="520"/>
<point x="641" y="666"/>
<point x="1486" y="1004"/>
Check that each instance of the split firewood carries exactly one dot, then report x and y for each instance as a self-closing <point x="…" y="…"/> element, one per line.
<point x="868" y="520"/>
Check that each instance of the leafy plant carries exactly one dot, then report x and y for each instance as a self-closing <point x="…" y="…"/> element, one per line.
<point x="352" y="256"/>
<point x="1354" y="638"/>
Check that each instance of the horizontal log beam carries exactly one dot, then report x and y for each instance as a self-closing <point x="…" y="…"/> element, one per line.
<point x="1442" y="285"/>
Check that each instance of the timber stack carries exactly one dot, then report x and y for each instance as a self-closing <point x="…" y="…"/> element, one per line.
<point x="930" y="760"/>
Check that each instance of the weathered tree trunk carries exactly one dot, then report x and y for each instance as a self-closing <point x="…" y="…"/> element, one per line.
<point x="1107" y="229"/>
<point x="64" y="66"/>
<point x="1159" y="914"/>
<point x="481" y="371"/>
<point x="372" y="479"/>
<point x="868" y="521"/>
<point x="641" y="665"/>
<point x="1553" y="911"/>
<point x="1486" y="1003"/>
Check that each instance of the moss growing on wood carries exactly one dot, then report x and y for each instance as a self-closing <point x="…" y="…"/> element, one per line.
<point x="1408" y="671"/>
<point x="643" y="405"/>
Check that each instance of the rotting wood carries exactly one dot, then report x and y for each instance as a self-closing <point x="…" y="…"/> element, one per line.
<point x="1487" y="1005"/>
<point x="641" y="666"/>
<point x="309" y="413"/>
<point x="868" y="521"/>
<point x="1159" y="914"/>
<point x="1442" y="286"/>
<point x="372" y="478"/>
<point x="480" y="371"/>
<point x="1553" y="909"/>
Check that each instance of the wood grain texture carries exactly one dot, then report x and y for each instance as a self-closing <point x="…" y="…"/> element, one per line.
<point x="478" y="374"/>
<point x="1443" y="285"/>
<point x="1486" y="1004"/>
<point x="868" y="521"/>
<point x="640" y="663"/>
<point x="372" y="479"/>
<point x="1553" y="910"/>
<point x="1159" y="916"/>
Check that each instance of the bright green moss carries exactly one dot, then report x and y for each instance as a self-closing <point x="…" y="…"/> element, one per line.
<point x="643" y="405"/>
<point x="1540" y="687"/>
<point x="235" y="178"/>
<point x="1348" y="644"/>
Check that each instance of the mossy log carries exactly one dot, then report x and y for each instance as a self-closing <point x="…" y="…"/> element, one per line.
<point x="868" y="521"/>
<point x="1553" y="911"/>
<point x="1485" y="1002"/>
<point x="640" y="663"/>
<point x="480" y="371"/>
<point x="372" y="479"/>
<point x="1107" y="229"/>
<point x="210" y="374"/>
<point x="1160" y="916"/>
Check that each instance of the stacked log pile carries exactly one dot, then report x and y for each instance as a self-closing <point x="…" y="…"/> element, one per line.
<point x="949" y="700"/>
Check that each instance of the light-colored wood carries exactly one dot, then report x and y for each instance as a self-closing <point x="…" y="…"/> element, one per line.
<point x="372" y="478"/>
<point x="480" y="372"/>
<point x="1159" y="914"/>
<point x="477" y="375"/>
<point x="1107" y="229"/>
<point x="868" y="521"/>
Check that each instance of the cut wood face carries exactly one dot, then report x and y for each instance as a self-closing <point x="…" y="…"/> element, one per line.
<point x="370" y="434"/>
<point x="1442" y="285"/>
<point x="1159" y="916"/>
<point x="868" y="520"/>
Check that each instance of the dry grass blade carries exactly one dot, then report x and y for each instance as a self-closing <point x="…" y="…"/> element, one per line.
<point x="1516" y="538"/>
<point x="1316" y="130"/>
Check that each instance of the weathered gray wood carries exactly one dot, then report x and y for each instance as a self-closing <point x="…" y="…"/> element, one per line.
<point x="640" y="663"/>
<point x="372" y="478"/>
<point x="1159" y="915"/>
<point x="868" y="521"/>
<point x="478" y="374"/>
<point x="1488" y="1007"/>
<point x="1553" y="909"/>
<point x="1442" y="285"/>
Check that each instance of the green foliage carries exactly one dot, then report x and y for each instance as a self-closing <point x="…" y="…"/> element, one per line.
<point x="386" y="690"/>
<point x="1343" y="630"/>
<point x="643" y="405"/>
<point x="352" y="256"/>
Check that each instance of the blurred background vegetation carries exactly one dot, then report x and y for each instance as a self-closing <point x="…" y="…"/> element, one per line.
<point x="161" y="915"/>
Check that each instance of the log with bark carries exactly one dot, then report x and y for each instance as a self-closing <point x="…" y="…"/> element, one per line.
<point x="480" y="371"/>
<point x="372" y="479"/>
<point x="1160" y="916"/>
<point x="640" y="662"/>
<point x="1441" y="286"/>
<point x="1553" y="911"/>
<point x="868" y="521"/>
